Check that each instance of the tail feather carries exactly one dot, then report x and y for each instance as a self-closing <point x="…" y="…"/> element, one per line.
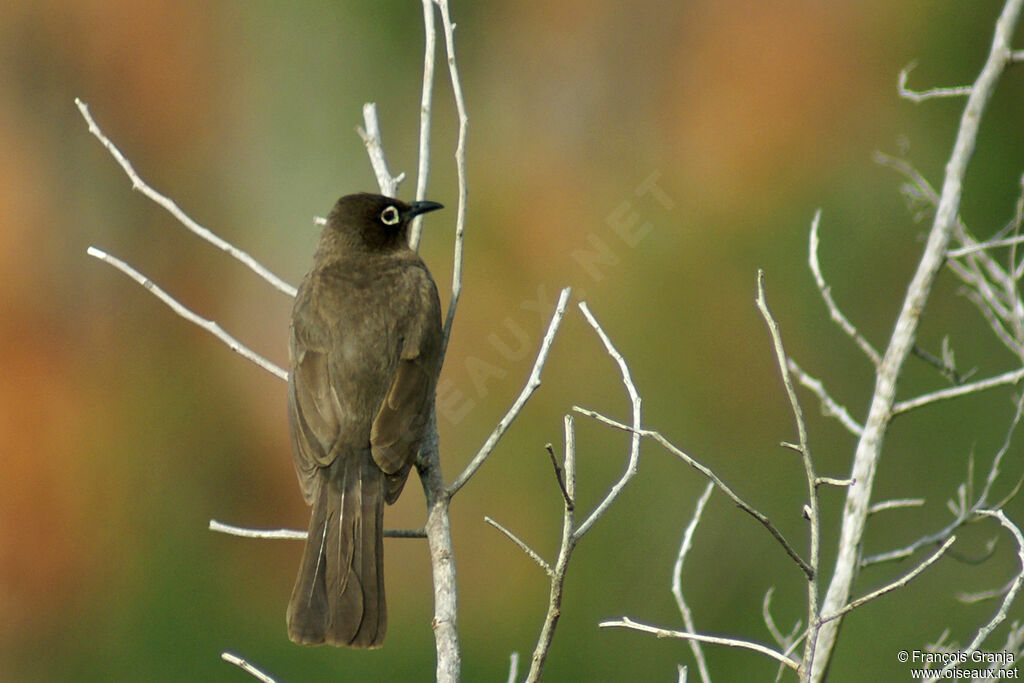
<point x="338" y="597"/>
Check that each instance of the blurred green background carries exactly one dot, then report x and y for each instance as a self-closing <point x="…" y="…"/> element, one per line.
<point x="123" y="429"/>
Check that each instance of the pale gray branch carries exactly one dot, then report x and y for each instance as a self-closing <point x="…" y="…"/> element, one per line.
<point x="898" y="583"/>
<point x="426" y="95"/>
<point x="826" y="293"/>
<point x="208" y="325"/>
<point x="1011" y="377"/>
<point x="291" y="534"/>
<point x="933" y="93"/>
<point x="246" y="667"/>
<point x="1004" y="607"/>
<point x="868" y="452"/>
<point x="677" y="581"/>
<point x="460" y="166"/>
<point x="709" y="473"/>
<point x="169" y="204"/>
<point x="530" y="552"/>
<point x="371" y="136"/>
<point x="894" y="504"/>
<point x="626" y="622"/>
<point x="634" y="447"/>
<point x="829" y="406"/>
<point x="531" y="385"/>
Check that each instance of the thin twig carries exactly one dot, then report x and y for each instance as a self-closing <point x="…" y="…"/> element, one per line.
<point x="541" y="562"/>
<point x="246" y="667"/>
<point x="371" y="136"/>
<point x="898" y="583"/>
<point x="826" y="293"/>
<point x="1011" y="377"/>
<point x="517" y="406"/>
<point x="1011" y="594"/>
<point x="869" y="446"/>
<point x="559" y="477"/>
<point x="140" y="185"/>
<point x="894" y="504"/>
<point x="677" y="581"/>
<point x="626" y="622"/>
<point x="933" y="93"/>
<point x="565" y="550"/>
<point x="460" y="167"/>
<point x="513" y="659"/>
<point x="634" y="447"/>
<point x="813" y="507"/>
<point x="423" y="168"/>
<point x="707" y="472"/>
<point x="296" y="534"/>
<point x="231" y="530"/>
<point x="829" y="406"/>
<point x="208" y="325"/>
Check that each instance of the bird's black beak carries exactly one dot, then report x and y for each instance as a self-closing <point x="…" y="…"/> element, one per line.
<point x="416" y="208"/>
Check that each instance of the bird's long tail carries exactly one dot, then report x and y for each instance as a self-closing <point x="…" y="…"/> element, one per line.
<point x="338" y="597"/>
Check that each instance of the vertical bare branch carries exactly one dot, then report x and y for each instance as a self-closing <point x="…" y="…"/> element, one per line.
<point x="634" y="448"/>
<point x="813" y="508"/>
<point x="460" y="165"/>
<point x="869" y="446"/>
<point x="371" y="136"/>
<point x="565" y="548"/>
<point x="677" y="582"/>
<point x="826" y="293"/>
<point x="423" y="168"/>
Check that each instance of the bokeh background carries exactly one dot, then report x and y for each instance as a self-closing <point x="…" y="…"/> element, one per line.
<point x="123" y="429"/>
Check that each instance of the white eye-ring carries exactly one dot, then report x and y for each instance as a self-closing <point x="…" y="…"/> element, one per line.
<point x="389" y="216"/>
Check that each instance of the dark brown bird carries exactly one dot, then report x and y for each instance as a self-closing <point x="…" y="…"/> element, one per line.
<point x="365" y="352"/>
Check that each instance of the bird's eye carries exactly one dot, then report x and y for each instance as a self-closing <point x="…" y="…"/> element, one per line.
<point x="389" y="216"/>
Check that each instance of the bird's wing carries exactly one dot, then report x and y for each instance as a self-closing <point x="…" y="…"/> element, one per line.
<point x="398" y="428"/>
<point x="311" y="407"/>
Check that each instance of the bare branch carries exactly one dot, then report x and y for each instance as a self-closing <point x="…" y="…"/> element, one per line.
<point x="707" y="472"/>
<point x="634" y="448"/>
<point x="423" y="169"/>
<point x="628" y="623"/>
<point x="829" y="407"/>
<point x="513" y="659"/>
<point x="677" y="581"/>
<point x="296" y="534"/>
<point x="371" y="136"/>
<point x="565" y="550"/>
<point x="246" y="667"/>
<point x="893" y="504"/>
<point x="531" y="385"/>
<point x="898" y="583"/>
<point x="921" y="96"/>
<point x="1011" y="594"/>
<point x="208" y="325"/>
<point x="460" y="166"/>
<point x="172" y="208"/>
<point x="880" y="413"/>
<point x="982" y="246"/>
<point x="1011" y="377"/>
<point x="560" y="477"/>
<point x="826" y="294"/>
<point x="832" y="481"/>
<point x="522" y="546"/>
<point x="812" y="508"/>
<point x="231" y="530"/>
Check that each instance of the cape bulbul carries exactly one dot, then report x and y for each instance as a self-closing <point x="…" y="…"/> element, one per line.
<point x="365" y="353"/>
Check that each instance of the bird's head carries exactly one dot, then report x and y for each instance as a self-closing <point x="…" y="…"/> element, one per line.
<point x="374" y="221"/>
